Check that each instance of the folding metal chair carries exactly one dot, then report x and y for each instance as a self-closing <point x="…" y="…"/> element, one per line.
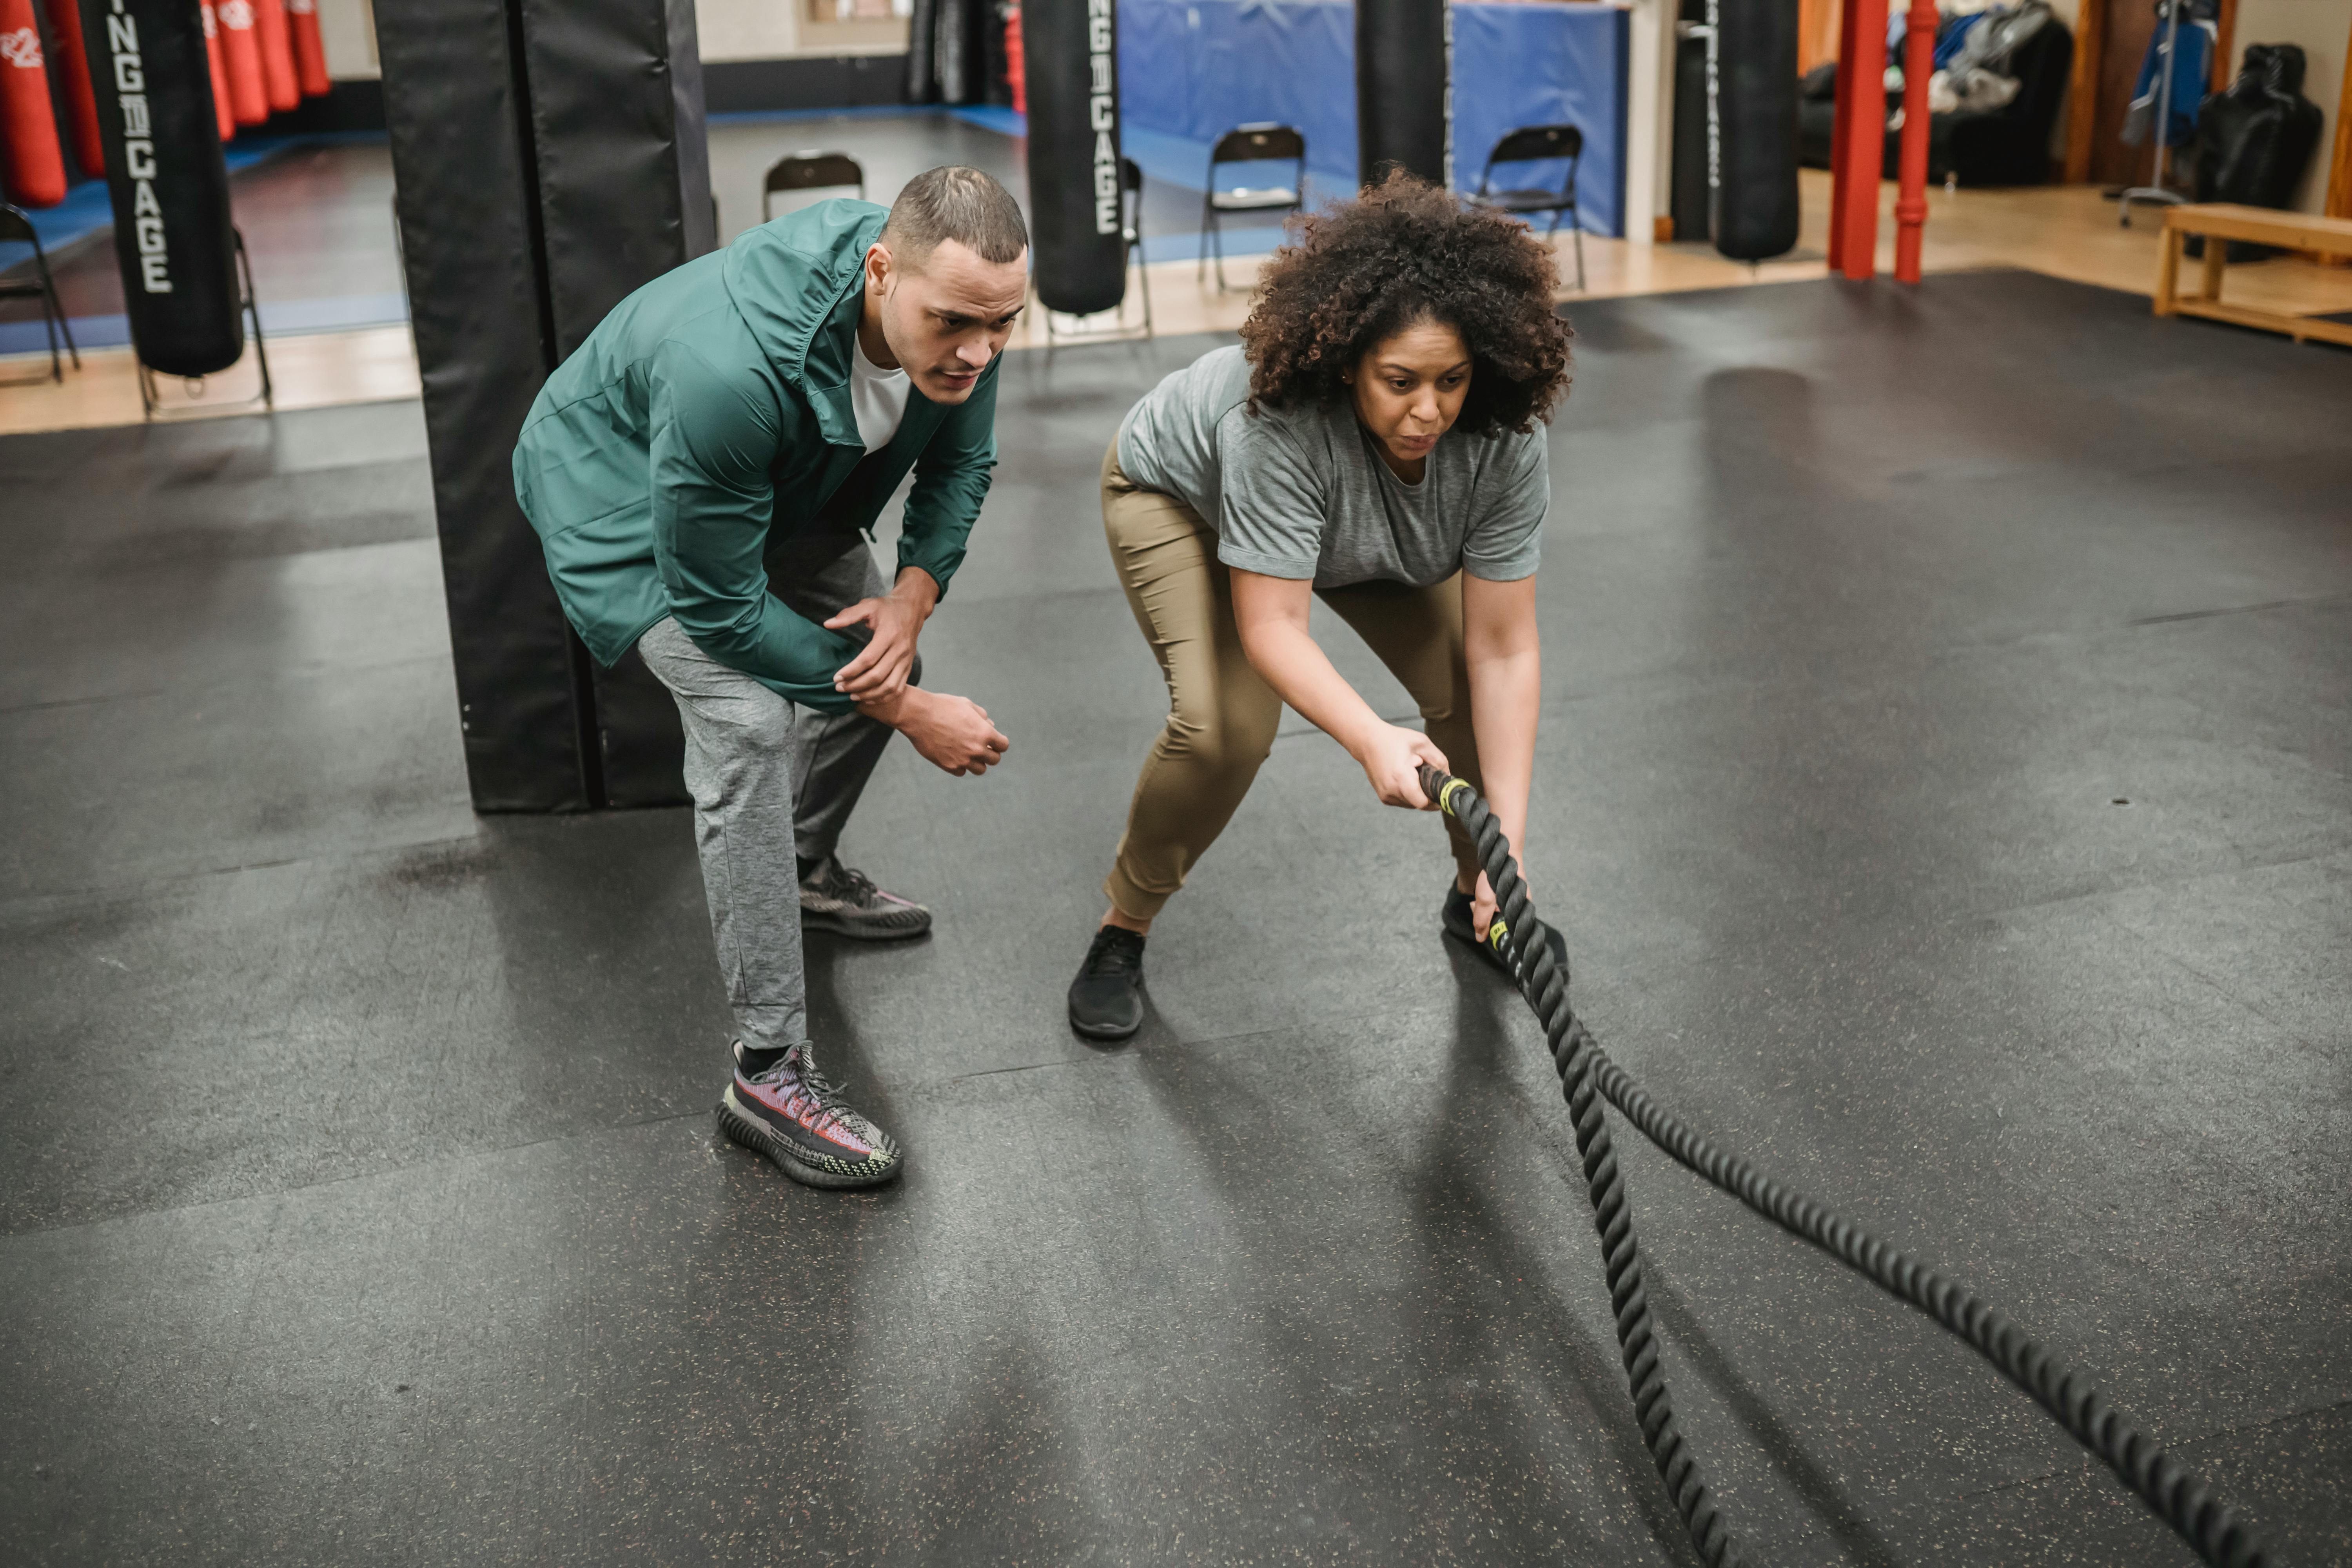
<point x="1263" y="142"/>
<point x="17" y="227"/>
<point x="809" y="170"/>
<point x="1535" y="144"/>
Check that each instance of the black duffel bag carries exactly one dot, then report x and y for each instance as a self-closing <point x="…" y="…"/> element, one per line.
<point x="2254" y="139"/>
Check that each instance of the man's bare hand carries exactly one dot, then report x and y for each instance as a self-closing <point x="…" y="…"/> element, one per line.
<point x="896" y="619"/>
<point x="951" y="733"/>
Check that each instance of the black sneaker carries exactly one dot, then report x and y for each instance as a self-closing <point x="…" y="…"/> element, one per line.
<point x="1455" y="919"/>
<point x="1106" y="998"/>
<point x="843" y="899"/>
<point x="794" y="1116"/>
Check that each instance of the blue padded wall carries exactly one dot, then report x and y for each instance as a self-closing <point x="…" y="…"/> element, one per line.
<point x="1191" y="69"/>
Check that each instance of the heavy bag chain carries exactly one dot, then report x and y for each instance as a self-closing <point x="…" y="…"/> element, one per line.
<point x="2210" y="1527"/>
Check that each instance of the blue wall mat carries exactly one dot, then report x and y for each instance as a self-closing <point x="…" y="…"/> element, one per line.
<point x="1544" y="64"/>
<point x="1196" y="69"/>
<point x="1191" y="69"/>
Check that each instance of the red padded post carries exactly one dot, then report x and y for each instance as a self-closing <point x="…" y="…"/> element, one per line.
<point x="1911" y="189"/>
<point x="1858" y="154"/>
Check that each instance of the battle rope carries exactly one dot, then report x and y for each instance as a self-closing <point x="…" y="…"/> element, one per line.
<point x="1586" y="1076"/>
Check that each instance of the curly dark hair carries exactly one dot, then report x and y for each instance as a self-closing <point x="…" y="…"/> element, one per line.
<point x="1360" y="272"/>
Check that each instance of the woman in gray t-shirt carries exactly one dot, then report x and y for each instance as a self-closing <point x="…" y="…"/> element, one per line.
<point x="1374" y="440"/>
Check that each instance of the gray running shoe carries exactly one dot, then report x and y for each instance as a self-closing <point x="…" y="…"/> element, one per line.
<point x="794" y="1115"/>
<point x="845" y="900"/>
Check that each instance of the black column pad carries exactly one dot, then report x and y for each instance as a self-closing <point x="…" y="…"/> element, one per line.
<point x="1072" y="54"/>
<point x="1404" y="104"/>
<point x="1755" y="106"/>
<point x="468" y="205"/>
<point x="168" y="183"/>
<point x="623" y="158"/>
<point x="624" y="177"/>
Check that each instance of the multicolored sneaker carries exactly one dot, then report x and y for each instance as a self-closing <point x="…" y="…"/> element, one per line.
<point x="844" y="901"/>
<point x="794" y="1116"/>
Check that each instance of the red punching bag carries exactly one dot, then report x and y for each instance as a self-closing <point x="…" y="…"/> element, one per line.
<point x="276" y="55"/>
<point x="242" y="55"/>
<point x="310" y="48"/>
<point x="81" y="105"/>
<point x="222" y="115"/>
<point x="32" y="164"/>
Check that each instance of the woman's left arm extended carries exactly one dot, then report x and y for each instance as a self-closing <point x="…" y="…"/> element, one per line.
<point x="1505" y="658"/>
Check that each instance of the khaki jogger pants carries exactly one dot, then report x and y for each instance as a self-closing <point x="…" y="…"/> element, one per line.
<point x="1221" y="715"/>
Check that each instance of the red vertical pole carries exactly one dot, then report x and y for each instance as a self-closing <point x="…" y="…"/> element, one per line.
<point x="1839" y="139"/>
<point x="1911" y="190"/>
<point x="1861" y="151"/>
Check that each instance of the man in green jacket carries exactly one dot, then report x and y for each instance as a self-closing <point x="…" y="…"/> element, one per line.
<point x="704" y="473"/>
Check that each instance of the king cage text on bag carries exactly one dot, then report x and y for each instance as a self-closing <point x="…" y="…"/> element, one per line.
<point x="1102" y="113"/>
<point x="139" y="150"/>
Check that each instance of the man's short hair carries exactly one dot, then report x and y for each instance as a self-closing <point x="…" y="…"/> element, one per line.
<point x="959" y="203"/>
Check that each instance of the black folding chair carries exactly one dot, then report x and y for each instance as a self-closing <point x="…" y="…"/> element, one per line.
<point x="1533" y="144"/>
<point x="810" y="171"/>
<point x="1258" y="143"/>
<point x="17" y="227"/>
<point x="248" y="304"/>
<point x="1130" y="197"/>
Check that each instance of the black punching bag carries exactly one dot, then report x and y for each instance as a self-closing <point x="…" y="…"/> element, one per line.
<point x="1404" y="97"/>
<point x="1756" y="127"/>
<point x="169" y="183"/>
<point x="1072" y="52"/>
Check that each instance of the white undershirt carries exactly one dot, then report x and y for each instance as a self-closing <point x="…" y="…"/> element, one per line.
<point x="878" y="397"/>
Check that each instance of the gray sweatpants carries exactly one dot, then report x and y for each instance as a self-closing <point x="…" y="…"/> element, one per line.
<point x="769" y="779"/>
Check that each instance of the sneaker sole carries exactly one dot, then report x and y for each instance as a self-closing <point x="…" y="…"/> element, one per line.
<point x="858" y="930"/>
<point x="1106" y="1032"/>
<point x="749" y="1132"/>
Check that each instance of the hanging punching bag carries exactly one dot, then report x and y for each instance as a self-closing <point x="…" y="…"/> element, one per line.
<point x="169" y="183"/>
<point x="277" y="45"/>
<point x="223" y="115"/>
<point x="247" y="99"/>
<point x="1072" y="60"/>
<point x="1404" y="93"/>
<point x="32" y="164"/>
<point x="73" y="74"/>
<point x="1754" y="148"/>
<point x="310" y="48"/>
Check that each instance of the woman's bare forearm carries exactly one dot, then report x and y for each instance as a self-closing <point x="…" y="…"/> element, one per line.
<point x="1504" y="653"/>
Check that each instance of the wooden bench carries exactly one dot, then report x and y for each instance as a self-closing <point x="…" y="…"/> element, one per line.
<point x="2221" y="222"/>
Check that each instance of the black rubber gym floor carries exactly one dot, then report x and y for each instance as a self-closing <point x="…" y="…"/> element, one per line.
<point x="1946" y="789"/>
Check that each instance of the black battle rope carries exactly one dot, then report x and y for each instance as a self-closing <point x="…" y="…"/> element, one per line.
<point x="1586" y="1076"/>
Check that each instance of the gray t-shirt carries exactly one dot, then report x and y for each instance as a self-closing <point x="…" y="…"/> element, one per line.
<point x="1302" y="492"/>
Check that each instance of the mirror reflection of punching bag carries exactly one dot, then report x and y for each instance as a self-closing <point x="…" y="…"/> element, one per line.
<point x="1755" y="146"/>
<point x="168" y="181"/>
<point x="310" y="48"/>
<point x="222" y="113"/>
<point x="242" y="56"/>
<point x="1404" y="94"/>
<point x="277" y="45"/>
<point x="1074" y="220"/>
<point x="73" y="78"/>
<point x="32" y="163"/>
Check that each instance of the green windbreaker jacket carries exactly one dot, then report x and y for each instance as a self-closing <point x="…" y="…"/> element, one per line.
<point x="709" y="415"/>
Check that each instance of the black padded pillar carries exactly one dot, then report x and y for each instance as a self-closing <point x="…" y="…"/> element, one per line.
<point x="550" y="159"/>
<point x="623" y="174"/>
<point x="1404" y="103"/>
